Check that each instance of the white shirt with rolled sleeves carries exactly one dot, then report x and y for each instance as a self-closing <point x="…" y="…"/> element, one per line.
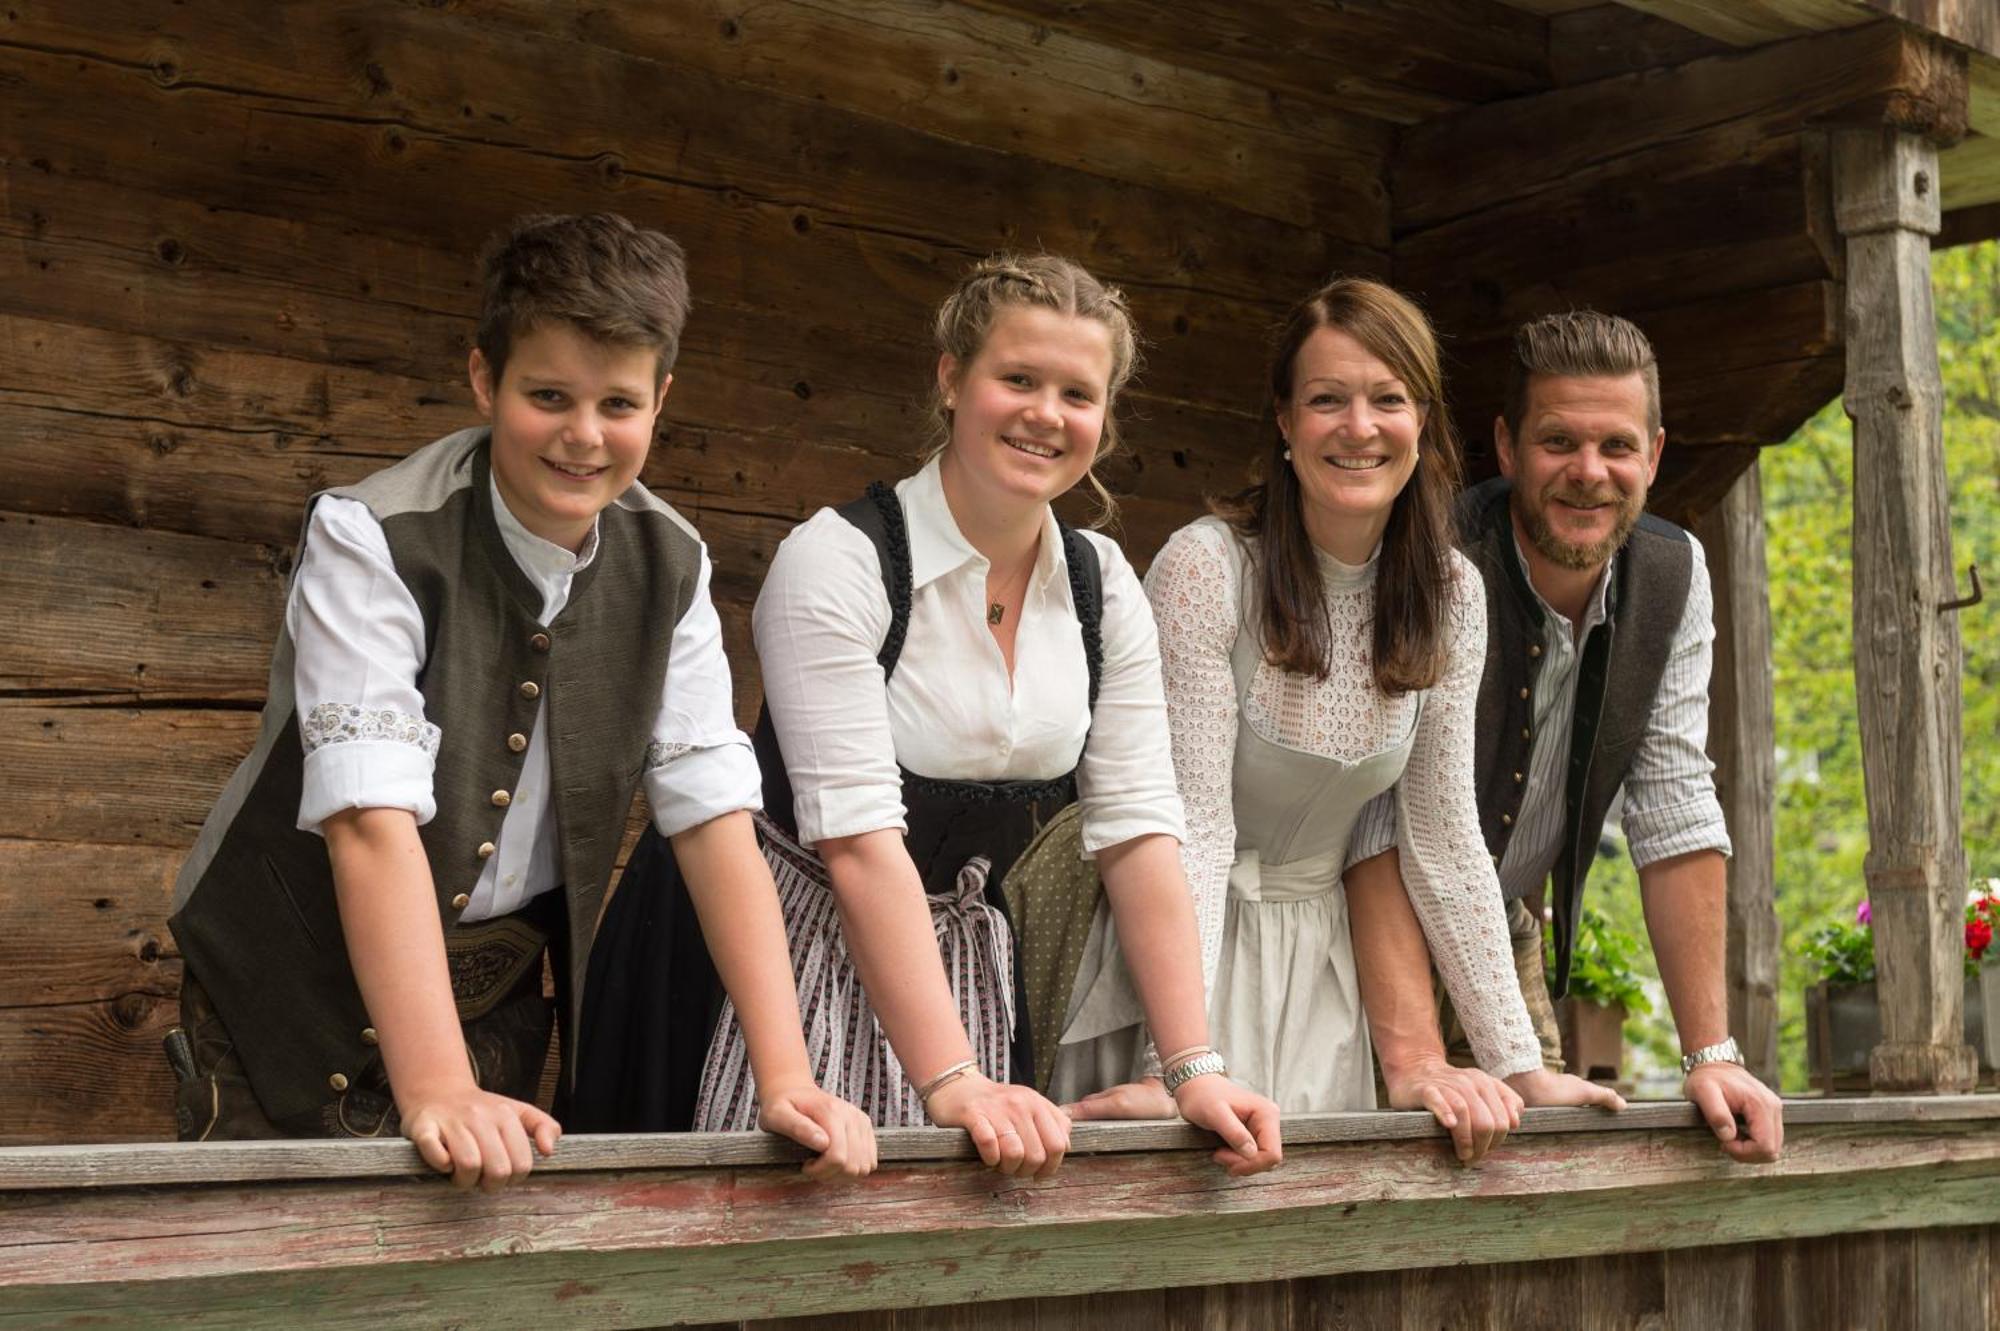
<point x="950" y="710"/>
<point x="1669" y="806"/>
<point x="359" y="642"/>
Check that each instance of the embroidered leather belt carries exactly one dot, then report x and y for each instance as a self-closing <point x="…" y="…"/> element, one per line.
<point x="491" y="960"/>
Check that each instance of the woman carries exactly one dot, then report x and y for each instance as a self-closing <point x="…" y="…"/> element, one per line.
<point x="1322" y="640"/>
<point x="945" y="667"/>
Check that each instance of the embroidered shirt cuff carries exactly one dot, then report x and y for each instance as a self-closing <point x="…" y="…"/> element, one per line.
<point x="841" y="811"/>
<point x="365" y="774"/>
<point x="1678" y="829"/>
<point x="686" y="785"/>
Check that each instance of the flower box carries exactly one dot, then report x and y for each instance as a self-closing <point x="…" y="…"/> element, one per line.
<point x="1844" y="1024"/>
<point x="1593" y="1038"/>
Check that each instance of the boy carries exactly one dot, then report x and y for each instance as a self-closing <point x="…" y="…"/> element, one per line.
<point x="486" y="648"/>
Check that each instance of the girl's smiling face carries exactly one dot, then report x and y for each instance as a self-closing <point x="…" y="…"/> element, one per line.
<point x="1028" y="410"/>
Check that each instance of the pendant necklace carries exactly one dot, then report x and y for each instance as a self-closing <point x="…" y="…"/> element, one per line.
<point x="997" y="610"/>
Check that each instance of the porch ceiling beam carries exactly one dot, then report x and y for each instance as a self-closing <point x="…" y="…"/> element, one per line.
<point x="1971" y="23"/>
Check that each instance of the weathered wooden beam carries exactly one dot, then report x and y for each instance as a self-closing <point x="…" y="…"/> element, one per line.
<point x="1606" y="40"/>
<point x="635" y="1242"/>
<point x="1756" y="22"/>
<point x="1907" y="655"/>
<point x="1460" y="164"/>
<point x="1742" y="740"/>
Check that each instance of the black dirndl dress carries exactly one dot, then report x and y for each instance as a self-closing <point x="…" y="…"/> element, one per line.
<point x="659" y="1049"/>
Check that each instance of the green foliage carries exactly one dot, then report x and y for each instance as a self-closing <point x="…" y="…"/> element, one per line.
<point x="1603" y="968"/>
<point x="1844" y="953"/>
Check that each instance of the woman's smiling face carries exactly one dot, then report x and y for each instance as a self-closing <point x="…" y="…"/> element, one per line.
<point x="1352" y="428"/>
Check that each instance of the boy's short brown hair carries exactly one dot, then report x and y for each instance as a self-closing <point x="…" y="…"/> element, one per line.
<point x="611" y="280"/>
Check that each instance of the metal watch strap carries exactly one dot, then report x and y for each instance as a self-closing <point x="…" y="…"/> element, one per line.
<point x="1188" y="1069"/>
<point x="1722" y="1052"/>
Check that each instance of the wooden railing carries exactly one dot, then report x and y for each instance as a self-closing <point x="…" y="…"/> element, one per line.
<point x="650" y="1230"/>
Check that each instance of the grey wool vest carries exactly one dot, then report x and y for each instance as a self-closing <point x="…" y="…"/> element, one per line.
<point x="254" y="906"/>
<point x="1618" y="676"/>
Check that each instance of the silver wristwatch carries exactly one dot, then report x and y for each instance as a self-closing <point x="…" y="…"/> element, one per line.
<point x="1725" y="1052"/>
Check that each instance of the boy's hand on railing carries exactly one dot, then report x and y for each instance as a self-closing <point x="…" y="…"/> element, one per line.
<point x="1728" y="1092"/>
<point x="478" y="1137"/>
<point x="1476" y="1109"/>
<point x="1015" y="1130"/>
<point x="839" y="1132"/>
<point x="1542" y="1088"/>
<point x="1246" y="1121"/>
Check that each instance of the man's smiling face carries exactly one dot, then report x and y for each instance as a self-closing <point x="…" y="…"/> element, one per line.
<point x="1580" y="465"/>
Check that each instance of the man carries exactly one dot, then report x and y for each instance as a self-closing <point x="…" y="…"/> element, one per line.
<point x="1598" y="640"/>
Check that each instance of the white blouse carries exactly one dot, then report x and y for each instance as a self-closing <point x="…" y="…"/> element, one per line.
<point x="1194" y="585"/>
<point x="358" y="640"/>
<point x="950" y="710"/>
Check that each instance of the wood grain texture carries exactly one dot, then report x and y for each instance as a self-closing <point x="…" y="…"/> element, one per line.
<point x="1743" y="744"/>
<point x="1907" y="655"/>
<point x="766" y="1243"/>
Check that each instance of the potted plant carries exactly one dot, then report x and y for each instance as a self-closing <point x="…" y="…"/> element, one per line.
<point x="1843" y="1017"/>
<point x="1604" y="989"/>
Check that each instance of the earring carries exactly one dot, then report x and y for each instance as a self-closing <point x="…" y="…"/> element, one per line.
<point x="1288" y="455"/>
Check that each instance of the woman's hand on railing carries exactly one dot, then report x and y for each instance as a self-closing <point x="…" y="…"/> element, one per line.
<point x="1246" y="1121"/>
<point x="839" y="1132"/>
<point x="1542" y="1088"/>
<point x="1145" y="1098"/>
<point x="1478" y="1110"/>
<point x="1015" y="1130"/>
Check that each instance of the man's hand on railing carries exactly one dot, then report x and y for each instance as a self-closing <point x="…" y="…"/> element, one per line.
<point x="839" y="1133"/>
<point x="1246" y="1121"/>
<point x="1476" y="1109"/>
<point x="1728" y="1092"/>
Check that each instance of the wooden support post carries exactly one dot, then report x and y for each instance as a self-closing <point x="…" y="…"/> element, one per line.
<point x="1906" y="653"/>
<point x="1742" y="740"/>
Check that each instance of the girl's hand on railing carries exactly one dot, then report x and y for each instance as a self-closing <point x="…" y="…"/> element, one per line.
<point x="827" y="1124"/>
<point x="1146" y="1098"/>
<point x="1015" y="1130"/>
<point x="1246" y="1121"/>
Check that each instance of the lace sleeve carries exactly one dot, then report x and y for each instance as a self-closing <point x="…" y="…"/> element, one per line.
<point x="1193" y="588"/>
<point x="1446" y="869"/>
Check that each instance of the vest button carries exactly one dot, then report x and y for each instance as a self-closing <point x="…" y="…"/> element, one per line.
<point x="1526" y="733"/>
<point x="1518" y="778"/>
<point x="368" y="1035"/>
<point x="485" y="851"/>
<point x="1525" y="695"/>
<point x="1506" y="820"/>
<point x="517" y="742"/>
<point x="501" y="799"/>
<point x="530" y="689"/>
<point x="1534" y="649"/>
<point x="540" y="642"/>
<point x="338" y="1081"/>
<point x="461" y="901"/>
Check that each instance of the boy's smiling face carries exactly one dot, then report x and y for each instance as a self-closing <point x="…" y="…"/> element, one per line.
<point x="572" y="419"/>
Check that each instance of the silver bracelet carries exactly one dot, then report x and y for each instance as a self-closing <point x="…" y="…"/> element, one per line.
<point x="1723" y="1052"/>
<point x="944" y="1079"/>
<point x="1188" y="1069"/>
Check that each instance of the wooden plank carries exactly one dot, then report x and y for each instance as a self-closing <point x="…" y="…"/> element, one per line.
<point x="95" y="1071"/>
<point x="1038" y="84"/>
<point x="1756" y="22"/>
<point x="83" y="923"/>
<point x="1950" y="1281"/>
<point x="1607" y="40"/>
<point x="377" y="61"/>
<point x="1970" y="172"/>
<point x="1973" y="23"/>
<point x="1461" y="164"/>
<point x="1621" y="1290"/>
<point x="708" y="1245"/>
<point x="1907" y="655"/>
<point x="1537" y="1296"/>
<point x="1449" y="1298"/>
<point x="1711" y="1289"/>
<point x="1449" y="53"/>
<point x="1742" y="740"/>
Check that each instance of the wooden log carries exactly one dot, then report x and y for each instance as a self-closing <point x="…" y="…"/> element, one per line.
<point x="1742" y="740"/>
<point x="1907" y="655"/>
<point x="1757" y="22"/>
<point x="1607" y="40"/>
<point x="1448" y="55"/>
<point x="1054" y="90"/>
<point x="84" y="923"/>
<point x="590" y="135"/>
<point x="93" y="1071"/>
<point x="616" y="1248"/>
<point x="1461" y="164"/>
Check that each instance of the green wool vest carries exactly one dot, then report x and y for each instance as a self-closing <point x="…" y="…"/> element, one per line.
<point x="254" y="906"/>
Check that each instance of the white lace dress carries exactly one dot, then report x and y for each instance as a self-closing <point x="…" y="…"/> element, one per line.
<point x="1273" y="770"/>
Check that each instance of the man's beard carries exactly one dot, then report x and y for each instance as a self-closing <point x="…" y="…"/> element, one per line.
<point x="1567" y="554"/>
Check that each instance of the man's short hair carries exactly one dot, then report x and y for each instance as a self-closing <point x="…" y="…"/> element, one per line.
<point x="610" y="280"/>
<point x="1580" y="344"/>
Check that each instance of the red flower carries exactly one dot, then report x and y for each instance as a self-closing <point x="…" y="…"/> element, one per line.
<point x="1978" y="937"/>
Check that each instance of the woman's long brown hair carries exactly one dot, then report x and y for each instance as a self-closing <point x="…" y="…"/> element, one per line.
<point x="1414" y="571"/>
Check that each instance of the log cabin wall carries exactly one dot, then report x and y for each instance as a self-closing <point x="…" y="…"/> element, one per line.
<point x="238" y="266"/>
